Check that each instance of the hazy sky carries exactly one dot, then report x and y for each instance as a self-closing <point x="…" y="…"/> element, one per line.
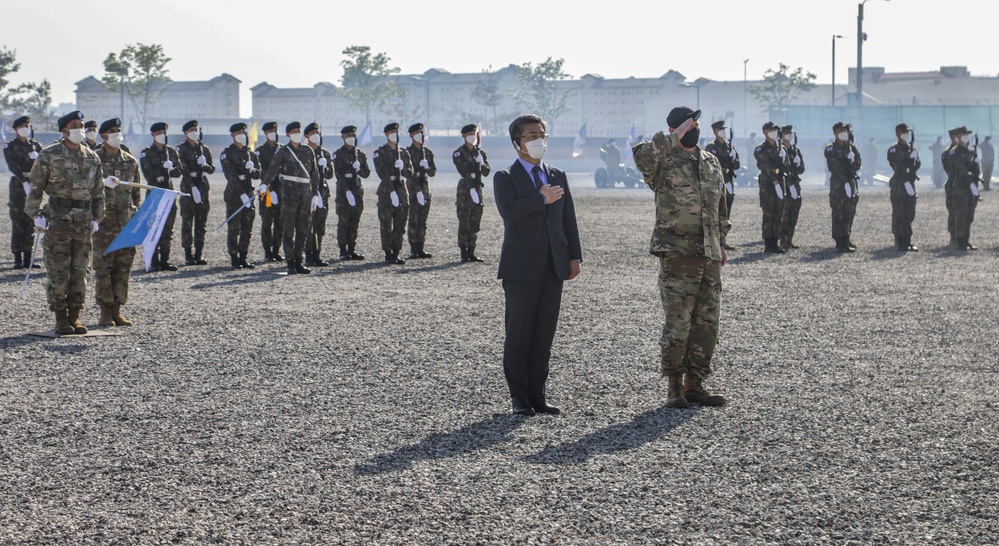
<point x="296" y="44"/>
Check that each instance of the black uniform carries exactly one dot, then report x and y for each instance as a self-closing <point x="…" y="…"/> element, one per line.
<point x="417" y="184"/>
<point x="20" y="155"/>
<point x="349" y="179"/>
<point x="239" y="184"/>
<point x="151" y="161"/>
<point x="314" y="246"/>
<point x="724" y="153"/>
<point x="296" y="168"/>
<point x="194" y="210"/>
<point x="392" y="217"/>
<point x="773" y="191"/>
<point x="902" y="187"/>
<point x="963" y="172"/>
<point x="792" y="199"/>
<point x="270" y="216"/>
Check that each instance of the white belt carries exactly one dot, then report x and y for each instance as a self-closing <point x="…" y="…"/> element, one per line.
<point x="349" y="175"/>
<point x="159" y="178"/>
<point x="26" y="175"/>
<point x="241" y="177"/>
<point x="299" y="179"/>
<point x="393" y="178"/>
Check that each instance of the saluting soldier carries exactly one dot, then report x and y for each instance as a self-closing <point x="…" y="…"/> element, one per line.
<point x="772" y="161"/>
<point x="324" y="162"/>
<point x="160" y="164"/>
<point x="350" y="165"/>
<point x="963" y="173"/>
<point x="196" y="162"/>
<point x="394" y="166"/>
<point x="424" y="168"/>
<point x="241" y="167"/>
<point x="843" y="160"/>
<point x="112" y="271"/>
<point x="728" y="157"/>
<point x="295" y="166"/>
<point x="270" y="202"/>
<point x="472" y="165"/>
<point x="90" y="128"/>
<point x="70" y="174"/>
<point x="792" y="201"/>
<point x="20" y="153"/>
<point x="904" y="162"/>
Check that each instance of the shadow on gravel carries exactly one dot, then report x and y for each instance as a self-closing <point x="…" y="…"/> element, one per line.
<point x="18" y="341"/>
<point x="823" y="254"/>
<point x="438" y="267"/>
<point x="949" y="252"/>
<point x="747" y="258"/>
<point x="473" y="437"/>
<point x="888" y="253"/>
<point x="644" y="428"/>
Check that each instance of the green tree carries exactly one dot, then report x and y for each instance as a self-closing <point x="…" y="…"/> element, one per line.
<point x="35" y="100"/>
<point x="487" y="92"/>
<point x="8" y="65"/>
<point x="139" y="72"/>
<point x="366" y="83"/>
<point x="539" y="92"/>
<point x="780" y="88"/>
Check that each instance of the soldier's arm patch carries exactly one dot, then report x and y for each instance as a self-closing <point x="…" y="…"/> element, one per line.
<point x="142" y="155"/>
<point x="829" y="149"/>
<point x="457" y="153"/>
<point x="222" y="157"/>
<point x="375" y="155"/>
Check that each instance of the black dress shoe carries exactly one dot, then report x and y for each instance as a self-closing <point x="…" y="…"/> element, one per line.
<point x="546" y="408"/>
<point x="521" y="407"/>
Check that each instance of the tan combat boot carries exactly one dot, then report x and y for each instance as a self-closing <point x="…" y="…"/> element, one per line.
<point x="119" y="319"/>
<point x="74" y="321"/>
<point x="695" y="392"/>
<point x="107" y="315"/>
<point x="63" y="327"/>
<point x="674" y="395"/>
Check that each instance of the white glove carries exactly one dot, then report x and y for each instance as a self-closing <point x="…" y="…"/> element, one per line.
<point x="27" y="188"/>
<point x="479" y="160"/>
<point x="33" y="155"/>
<point x="356" y="165"/>
<point x="977" y="159"/>
<point x="782" y="154"/>
<point x="274" y="199"/>
<point x="202" y="161"/>
<point x="914" y="154"/>
<point x="351" y="200"/>
<point x="246" y="199"/>
<point x="41" y="224"/>
<point x="196" y="194"/>
<point x="399" y="164"/>
<point x="420" y="198"/>
<point x="262" y="188"/>
<point x="248" y="165"/>
<point x="94" y="226"/>
<point x="850" y="156"/>
<point x="168" y="165"/>
<point x="323" y="162"/>
<point x="424" y="163"/>
<point x="111" y="182"/>
<point x="317" y="202"/>
<point x="732" y="154"/>
<point x="797" y="160"/>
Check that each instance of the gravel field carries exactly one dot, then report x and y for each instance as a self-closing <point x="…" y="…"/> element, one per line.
<point x="365" y="404"/>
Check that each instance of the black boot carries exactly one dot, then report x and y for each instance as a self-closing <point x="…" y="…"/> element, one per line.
<point x="301" y="269"/>
<point x="344" y="255"/>
<point x="292" y="270"/>
<point x="268" y="257"/>
<point x="413" y="254"/>
<point x="317" y="255"/>
<point x="276" y="253"/>
<point x="471" y="255"/>
<point x="197" y="256"/>
<point x="165" y="264"/>
<point x="464" y="254"/>
<point x="843" y="246"/>
<point x="27" y="262"/>
<point x="354" y="255"/>
<point x="17" y="260"/>
<point x="235" y="261"/>
<point x="188" y="257"/>
<point x="900" y="244"/>
<point x="423" y="254"/>
<point x="243" y="263"/>
<point x="909" y="246"/>
<point x="770" y="246"/>
<point x="850" y="244"/>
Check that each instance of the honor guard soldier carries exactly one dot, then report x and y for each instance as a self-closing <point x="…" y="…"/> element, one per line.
<point x="472" y="165"/>
<point x="241" y="167"/>
<point x="904" y="161"/>
<point x="843" y="160"/>
<point x="91" y="136"/>
<point x="350" y="165"/>
<point x="160" y="164"/>
<point x="772" y="161"/>
<point x="112" y="271"/>
<point x="270" y="204"/>
<point x="70" y="174"/>
<point x="196" y="160"/>
<point x="963" y="172"/>
<point x="728" y="157"/>
<point x="424" y="168"/>
<point x="394" y="167"/>
<point x="295" y="166"/>
<point x="20" y="153"/>
<point x="324" y="162"/>
<point x="792" y="201"/>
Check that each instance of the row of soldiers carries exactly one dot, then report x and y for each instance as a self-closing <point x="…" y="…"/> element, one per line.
<point x="781" y="165"/>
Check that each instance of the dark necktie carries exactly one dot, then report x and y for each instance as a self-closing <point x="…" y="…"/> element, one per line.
<point x="536" y="171"/>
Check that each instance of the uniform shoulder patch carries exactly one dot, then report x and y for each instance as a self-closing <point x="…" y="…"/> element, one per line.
<point x="222" y="157"/>
<point x="758" y="148"/>
<point x="142" y="154"/>
<point x="334" y="156"/>
<point x="4" y="145"/>
<point x="457" y="153"/>
<point x="829" y="149"/>
<point x="375" y="155"/>
<point x="891" y="150"/>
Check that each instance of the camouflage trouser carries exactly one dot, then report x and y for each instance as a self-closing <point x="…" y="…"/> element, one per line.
<point x="296" y="218"/>
<point x="318" y="231"/>
<point x="843" y="210"/>
<point x="987" y="168"/>
<point x="964" y="213"/>
<point x="791" y="209"/>
<point x="67" y="247"/>
<point x="418" y="220"/>
<point x="903" y="211"/>
<point x="270" y="223"/>
<point x="392" y="221"/>
<point x="111" y="271"/>
<point x="193" y="221"/>
<point x="163" y="246"/>
<point x="348" y="218"/>
<point x="22" y="233"/>
<point x="239" y="229"/>
<point x="469" y="215"/>
<point x="773" y="211"/>
<point x="690" y="288"/>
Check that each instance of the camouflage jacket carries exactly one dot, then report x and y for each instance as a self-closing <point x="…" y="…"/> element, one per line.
<point x="122" y="201"/>
<point x="794" y="171"/>
<point x="290" y="161"/>
<point x="325" y="173"/>
<point x="773" y="169"/>
<point x="691" y="213"/>
<point x="93" y="145"/>
<point x="384" y="159"/>
<point x="67" y="174"/>
<point x="903" y="166"/>
<point x="960" y="162"/>
<point x="469" y="169"/>
<point x="17" y="153"/>
<point x="265" y="152"/>
<point x="192" y="171"/>
<point x="238" y="178"/>
<point x="841" y="169"/>
<point x="420" y="181"/>
<point x="721" y="150"/>
<point x="151" y="162"/>
<point x="343" y="168"/>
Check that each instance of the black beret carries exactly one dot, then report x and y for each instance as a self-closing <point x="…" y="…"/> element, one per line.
<point x="158" y="126"/>
<point x="109" y="124"/>
<point x="270" y="126"/>
<point x="988" y="138"/>
<point x="840" y="126"/>
<point x="237" y="127"/>
<point x="348" y="129"/>
<point x="391" y="127"/>
<point x="901" y="128"/>
<point x="681" y="114"/>
<point x="22" y="121"/>
<point x="311" y="127"/>
<point x="90" y="124"/>
<point x="787" y="128"/>
<point x="415" y="127"/>
<point x="470" y="128"/>
<point x="292" y="126"/>
<point x="770" y="125"/>
<point x="64" y="121"/>
<point x="720" y="124"/>
<point x="193" y="124"/>
<point x="964" y="130"/>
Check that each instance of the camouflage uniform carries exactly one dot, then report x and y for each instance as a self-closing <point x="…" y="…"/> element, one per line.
<point x="18" y="155"/>
<point x="239" y="181"/>
<point x="988" y="152"/>
<point x="194" y="216"/>
<point x="391" y="218"/>
<point x="691" y="219"/>
<point x="792" y="199"/>
<point x="419" y="182"/>
<point x="74" y="182"/>
<point x="903" y="206"/>
<point x="296" y="168"/>
<point x="314" y="245"/>
<point x="469" y="213"/>
<point x="963" y="171"/>
<point x="937" y="150"/>
<point x="843" y="172"/>
<point x="112" y="271"/>
<point x="773" y="171"/>
<point x="348" y="217"/>
<point x="151" y="163"/>
<point x="723" y="153"/>
<point x="270" y="217"/>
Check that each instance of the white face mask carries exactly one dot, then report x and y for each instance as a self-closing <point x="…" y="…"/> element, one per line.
<point x="537" y="148"/>
<point x="393" y="137"/>
<point x="843" y="137"/>
<point x="418" y="137"/>
<point x="240" y="139"/>
<point x="160" y="139"/>
<point x="115" y="139"/>
<point x="76" y="136"/>
<point x="23" y="132"/>
<point x="272" y="136"/>
<point x="788" y="137"/>
<point x="295" y="137"/>
<point x="314" y="138"/>
<point x="192" y="136"/>
<point x="772" y="135"/>
<point x="470" y="139"/>
<point x="92" y="135"/>
<point x="720" y="134"/>
<point x="350" y="141"/>
<point x="965" y="139"/>
<point x="904" y="136"/>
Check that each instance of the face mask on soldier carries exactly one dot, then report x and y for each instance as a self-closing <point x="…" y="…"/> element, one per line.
<point x="115" y="140"/>
<point x="314" y="138"/>
<point x="193" y="136"/>
<point x="418" y="137"/>
<point x="788" y="136"/>
<point x="470" y="139"/>
<point x="241" y="139"/>
<point x="965" y="139"/>
<point x="76" y="136"/>
<point x="160" y="139"/>
<point x="350" y="141"/>
<point x="272" y="136"/>
<point x="92" y="135"/>
<point x="295" y="137"/>
<point x="772" y="135"/>
<point x="689" y="139"/>
<point x="393" y="137"/>
<point x="843" y="136"/>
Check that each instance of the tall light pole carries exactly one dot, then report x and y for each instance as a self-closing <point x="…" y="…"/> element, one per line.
<point x="745" y="110"/>
<point x="835" y="36"/>
<point x="861" y="37"/>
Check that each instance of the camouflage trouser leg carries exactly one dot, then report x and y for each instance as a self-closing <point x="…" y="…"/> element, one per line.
<point x="469" y="218"/>
<point x="270" y="226"/>
<point x="111" y="272"/>
<point x="167" y="236"/>
<point x="843" y="211"/>
<point x="790" y="223"/>
<point x="903" y="212"/>
<point x="318" y="230"/>
<point x="296" y="221"/>
<point x="392" y="221"/>
<point x="186" y="222"/>
<point x="22" y="232"/>
<point x="690" y="289"/>
<point x="418" y="221"/>
<point x="773" y="213"/>
<point x="964" y="214"/>
<point x="348" y="218"/>
<point x="201" y="222"/>
<point x="67" y="260"/>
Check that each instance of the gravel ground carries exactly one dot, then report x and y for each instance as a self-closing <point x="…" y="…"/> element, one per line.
<point x="365" y="404"/>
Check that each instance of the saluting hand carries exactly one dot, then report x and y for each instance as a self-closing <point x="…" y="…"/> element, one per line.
<point x="551" y="193"/>
<point x="684" y="127"/>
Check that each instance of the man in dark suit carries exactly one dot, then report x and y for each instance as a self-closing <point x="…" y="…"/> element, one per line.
<point x="540" y="250"/>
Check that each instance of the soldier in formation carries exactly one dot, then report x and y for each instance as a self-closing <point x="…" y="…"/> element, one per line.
<point x="324" y="163"/>
<point x="843" y="160"/>
<point x="904" y="161"/>
<point x="728" y="158"/>
<point x="472" y="165"/>
<point x="418" y="185"/>
<point x="963" y="175"/>
<point x="294" y="165"/>
<point x="90" y="141"/>
<point x="792" y="200"/>
<point x="772" y="161"/>
<point x="20" y="153"/>
<point x="196" y="163"/>
<point x="350" y="165"/>
<point x="160" y="164"/>
<point x="394" y="166"/>
<point x="241" y="167"/>
<point x="270" y="203"/>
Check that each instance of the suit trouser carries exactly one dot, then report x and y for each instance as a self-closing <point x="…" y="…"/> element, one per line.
<point x="532" y="309"/>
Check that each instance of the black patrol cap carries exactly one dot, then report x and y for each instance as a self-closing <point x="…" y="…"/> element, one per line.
<point x="769" y="125"/>
<point x="23" y="120"/>
<point x="237" y="127"/>
<point x="840" y="126"/>
<point x="470" y="128"/>
<point x="348" y="129"/>
<point x="90" y="124"/>
<point x="64" y="121"/>
<point x="681" y="114"/>
<point x="901" y="128"/>
<point x="158" y="126"/>
<point x="270" y="126"/>
<point x="193" y="124"/>
<point x="787" y="129"/>
<point x="292" y="126"/>
<point x="109" y="124"/>
<point x="391" y="127"/>
<point x="311" y="127"/>
<point x="720" y="124"/>
<point x="415" y="128"/>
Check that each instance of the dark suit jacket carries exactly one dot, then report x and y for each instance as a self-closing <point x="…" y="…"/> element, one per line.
<point x="531" y="228"/>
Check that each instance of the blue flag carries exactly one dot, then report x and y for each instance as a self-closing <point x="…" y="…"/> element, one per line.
<point x="146" y="226"/>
